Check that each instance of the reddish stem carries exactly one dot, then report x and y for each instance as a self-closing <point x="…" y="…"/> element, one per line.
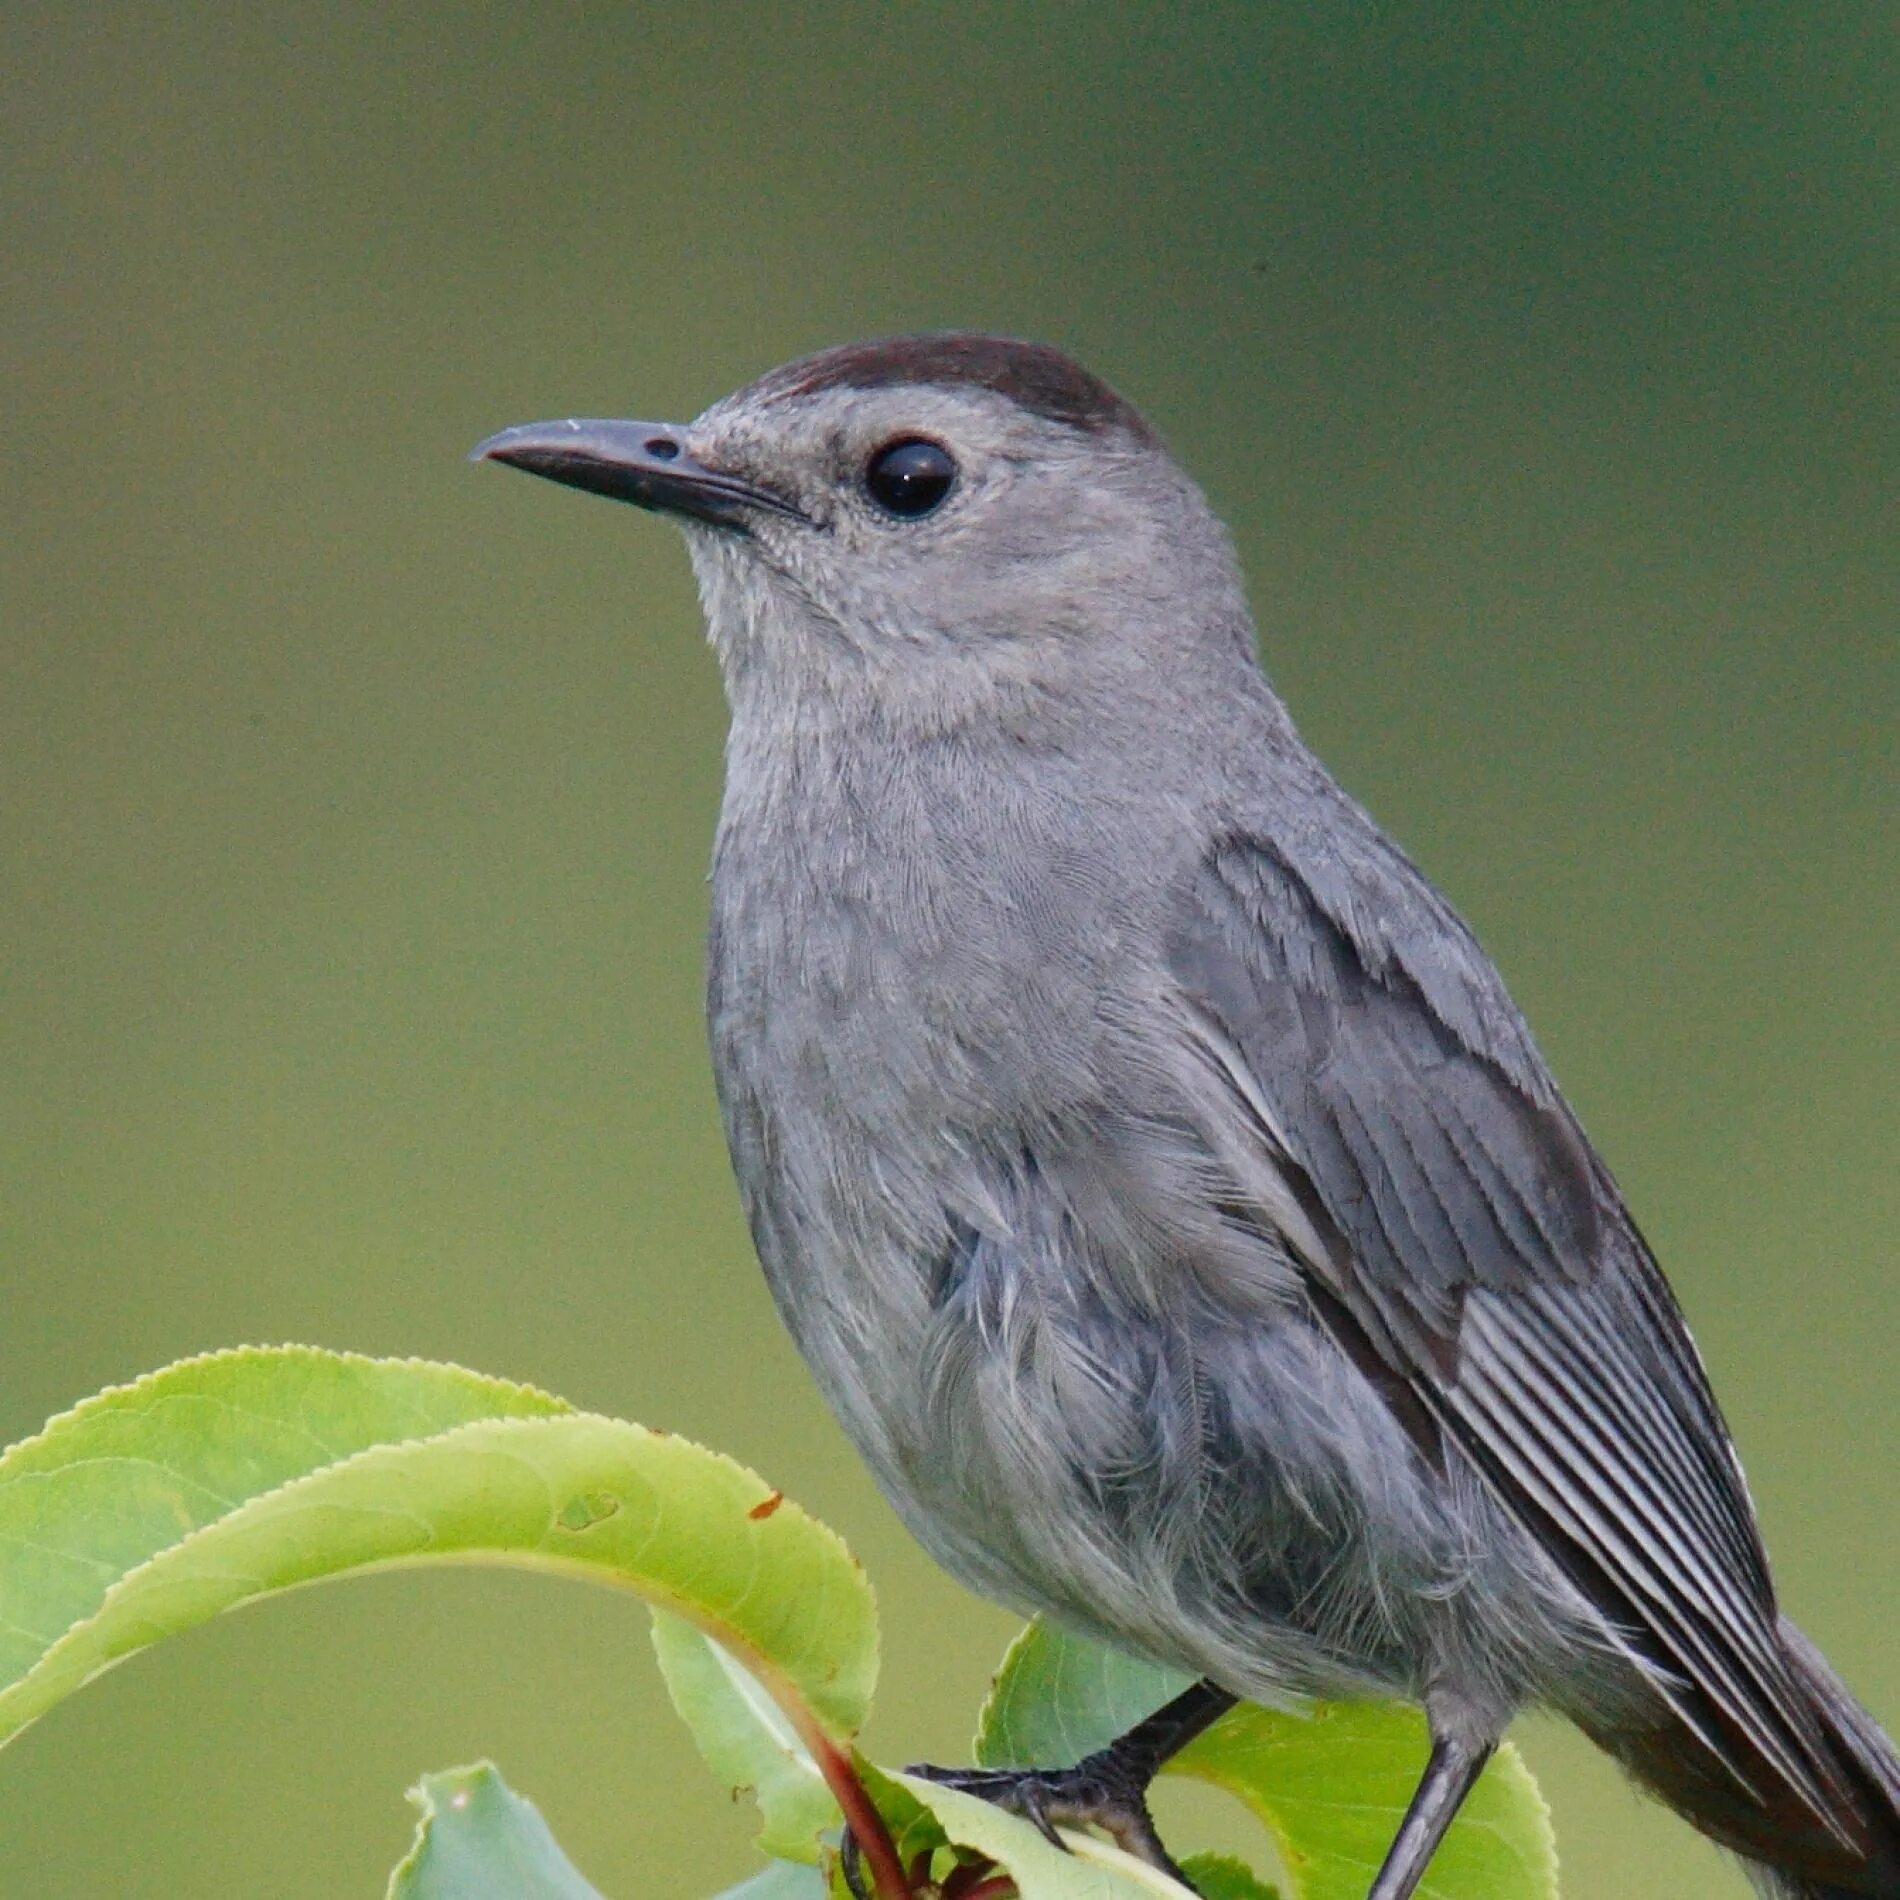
<point x="977" y="1880"/>
<point x="862" y="1818"/>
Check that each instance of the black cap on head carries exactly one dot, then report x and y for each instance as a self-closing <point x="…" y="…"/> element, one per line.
<point x="1032" y="375"/>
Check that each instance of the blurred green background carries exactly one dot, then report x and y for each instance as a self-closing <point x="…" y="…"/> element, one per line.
<point x="355" y="804"/>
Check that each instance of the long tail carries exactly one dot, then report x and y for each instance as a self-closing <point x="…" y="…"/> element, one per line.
<point x="1850" y="1853"/>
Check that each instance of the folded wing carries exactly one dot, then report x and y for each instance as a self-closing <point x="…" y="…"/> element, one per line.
<point x="1407" y="1138"/>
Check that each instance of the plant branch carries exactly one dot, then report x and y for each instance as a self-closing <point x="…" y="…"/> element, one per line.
<point x="862" y="1818"/>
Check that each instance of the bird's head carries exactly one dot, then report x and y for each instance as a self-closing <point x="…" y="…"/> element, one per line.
<point x="934" y="520"/>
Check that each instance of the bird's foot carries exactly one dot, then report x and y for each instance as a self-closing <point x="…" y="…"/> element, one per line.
<point x="1106" y="1790"/>
<point x="1103" y="1790"/>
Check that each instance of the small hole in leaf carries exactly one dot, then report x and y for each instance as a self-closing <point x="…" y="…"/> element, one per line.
<point x="583" y="1512"/>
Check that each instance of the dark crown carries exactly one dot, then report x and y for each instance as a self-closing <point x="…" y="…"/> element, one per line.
<point x="1032" y="375"/>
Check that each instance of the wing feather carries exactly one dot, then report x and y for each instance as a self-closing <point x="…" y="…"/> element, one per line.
<point x="1455" y="1210"/>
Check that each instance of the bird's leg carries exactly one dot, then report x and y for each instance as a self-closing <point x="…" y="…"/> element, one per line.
<point x="1449" y="1775"/>
<point x="1108" y="1789"/>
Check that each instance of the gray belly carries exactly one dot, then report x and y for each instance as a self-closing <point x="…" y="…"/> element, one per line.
<point x="1221" y="1493"/>
<point x="1087" y="1395"/>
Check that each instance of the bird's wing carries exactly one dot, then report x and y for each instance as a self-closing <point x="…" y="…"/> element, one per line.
<point x="1406" y="1135"/>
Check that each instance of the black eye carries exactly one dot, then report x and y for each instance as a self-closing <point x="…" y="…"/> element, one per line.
<point x="909" y="477"/>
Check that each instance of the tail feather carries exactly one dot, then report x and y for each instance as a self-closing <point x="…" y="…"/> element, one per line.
<point x="1870" y="1772"/>
<point x="1853" y="1853"/>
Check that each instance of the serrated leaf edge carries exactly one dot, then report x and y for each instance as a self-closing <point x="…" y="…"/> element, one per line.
<point x="291" y="1350"/>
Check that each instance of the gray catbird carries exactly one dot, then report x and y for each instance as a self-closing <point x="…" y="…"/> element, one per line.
<point x="1152" y="1168"/>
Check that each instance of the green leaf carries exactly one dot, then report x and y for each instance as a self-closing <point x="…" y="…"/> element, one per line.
<point x="1056" y="1698"/>
<point x="1221" y="1877"/>
<point x="914" y="1829"/>
<point x="127" y="1474"/>
<point x="745" y="1739"/>
<point x="148" y="1511"/>
<point x="1331" y="1785"/>
<point x="478" y="1839"/>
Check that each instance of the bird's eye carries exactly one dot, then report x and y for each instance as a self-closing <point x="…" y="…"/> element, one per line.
<point x="909" y="477"/>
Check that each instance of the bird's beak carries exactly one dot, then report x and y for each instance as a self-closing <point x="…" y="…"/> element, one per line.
<point x="642" y="462"/>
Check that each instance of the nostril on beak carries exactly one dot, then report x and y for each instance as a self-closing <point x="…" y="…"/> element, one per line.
<point x="662" y="448"/>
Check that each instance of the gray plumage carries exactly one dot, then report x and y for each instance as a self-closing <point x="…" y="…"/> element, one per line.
<point x="1153" y="1170"/>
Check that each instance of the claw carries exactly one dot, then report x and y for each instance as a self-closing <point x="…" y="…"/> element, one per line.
<point x="1037" y="1815"/>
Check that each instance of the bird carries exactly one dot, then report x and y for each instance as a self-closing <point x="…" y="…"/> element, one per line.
<point x="1152" y="1169"/>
